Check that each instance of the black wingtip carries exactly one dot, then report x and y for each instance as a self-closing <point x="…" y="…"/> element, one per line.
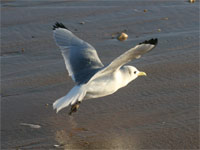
<point x="151" y="41"/>
<point x="59" y="25"/>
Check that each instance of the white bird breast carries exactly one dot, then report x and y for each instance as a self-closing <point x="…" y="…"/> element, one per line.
<point x="104" y="85"/>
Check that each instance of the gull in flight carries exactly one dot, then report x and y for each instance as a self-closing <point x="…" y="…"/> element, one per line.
<point x="92" y="78"/>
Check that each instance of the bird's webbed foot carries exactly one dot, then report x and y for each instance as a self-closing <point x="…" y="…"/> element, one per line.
<point x="74" y="107"/>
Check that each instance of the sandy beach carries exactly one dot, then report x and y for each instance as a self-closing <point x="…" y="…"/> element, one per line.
<point x="160" y="111"/>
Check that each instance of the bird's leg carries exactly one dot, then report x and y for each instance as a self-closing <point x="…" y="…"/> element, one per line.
<point x="74" y="107"/>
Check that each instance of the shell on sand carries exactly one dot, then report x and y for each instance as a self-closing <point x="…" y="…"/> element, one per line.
<point x="192" y="1"/>
<point x="122" y="37"/>
<point x="35" y="126"/>
<point x="145" y="10"/>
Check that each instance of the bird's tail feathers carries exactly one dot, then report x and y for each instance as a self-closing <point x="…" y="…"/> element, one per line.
<point x="77" y="93"/>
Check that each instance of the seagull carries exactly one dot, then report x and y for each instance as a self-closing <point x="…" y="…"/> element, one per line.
<point x="91" y="77"/>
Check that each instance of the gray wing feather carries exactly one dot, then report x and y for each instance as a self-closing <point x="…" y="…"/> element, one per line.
<point x="81" y="59"/>
<point x="133" y="53"/>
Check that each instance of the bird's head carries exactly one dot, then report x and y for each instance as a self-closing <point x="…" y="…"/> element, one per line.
<point x="133" y="72"/>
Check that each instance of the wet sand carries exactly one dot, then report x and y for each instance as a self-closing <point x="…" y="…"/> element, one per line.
<point x="160" y="111"/>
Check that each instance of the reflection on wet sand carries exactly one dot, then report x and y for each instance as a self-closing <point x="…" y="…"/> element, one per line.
<point x="81" y="138"/>
<point x="71" y="139"/>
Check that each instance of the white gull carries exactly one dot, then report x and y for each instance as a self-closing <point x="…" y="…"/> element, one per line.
<point x="92" y="78"/>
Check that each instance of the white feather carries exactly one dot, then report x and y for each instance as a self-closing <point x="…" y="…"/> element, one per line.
<point x="77" y="93"/>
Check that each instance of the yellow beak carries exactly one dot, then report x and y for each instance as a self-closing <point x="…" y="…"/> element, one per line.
<point x="142" y="74"/>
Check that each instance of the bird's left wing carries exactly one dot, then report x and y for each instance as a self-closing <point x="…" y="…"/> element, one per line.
<point x="131" y="54"/>
<point x="128" y="56"/>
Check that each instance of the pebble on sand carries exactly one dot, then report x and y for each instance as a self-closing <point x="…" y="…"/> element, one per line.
<point x="56" y="145"/>
<point x="145" y="10"/>
<point x="82" y="22"/>
<point x="23" y="50"/>
<point x="165" y="18"/>
<point x="122" y="37"/>
<point x="159" y="30"/>
<point x="192" y="1"/>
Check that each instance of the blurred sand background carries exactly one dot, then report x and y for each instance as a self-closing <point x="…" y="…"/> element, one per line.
<point x="160" y="111"/>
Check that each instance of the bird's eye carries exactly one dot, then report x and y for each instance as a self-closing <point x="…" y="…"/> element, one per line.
<point x="135" y="72"/>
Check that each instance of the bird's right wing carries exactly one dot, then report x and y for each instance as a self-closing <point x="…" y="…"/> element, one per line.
<point x="81" y="59"/>
<point x="133" y="53"/>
